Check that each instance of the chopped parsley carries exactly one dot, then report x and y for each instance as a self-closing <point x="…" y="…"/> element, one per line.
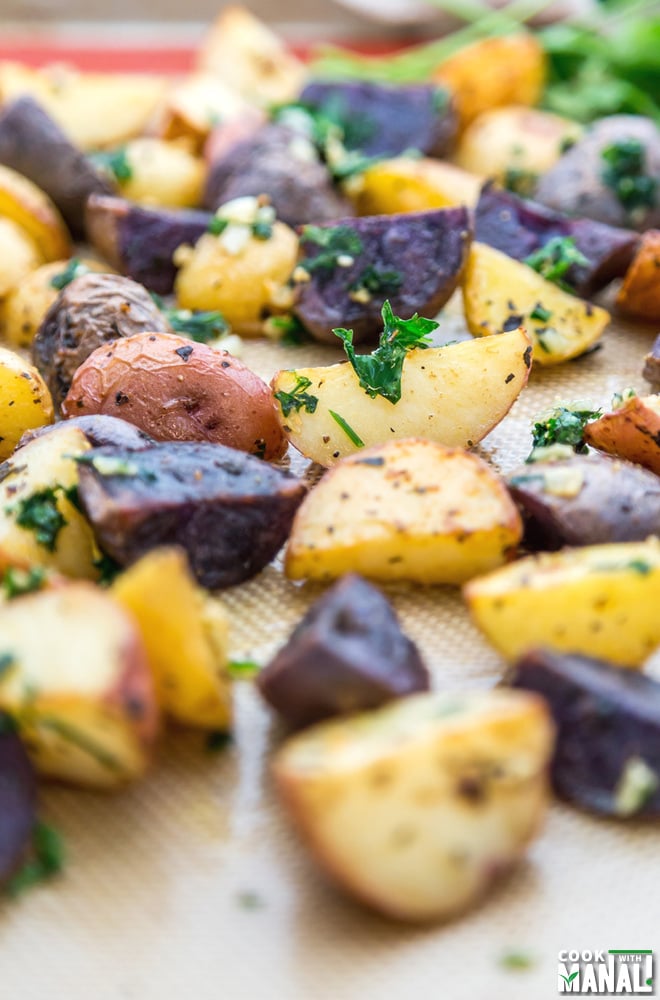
<point x="217" y="740"/>
<point x="540" y="313"/>
<point x="114" y="162"/>
<point x="39" y="513"/>
<point x="201" y="327"/>
<point x="7" y="661"/>
<point x="261" y="226"/>
<point x="74" y="269"/>
<point x="624" y="173"/>
<point x="217" y="226"/>
<point x="108" y="569"/>
<point x="352" y="435"/>
<point x="16" y="582"/>
<point x="380" y="372"/>
<point x="640" y="566"/>
<point x="520" y="181"/>
<point x="243" y="669"/>
<point x="563" y="425"/>
<point x="555" y="258"/>
<point x="298" y="398"/>
<point x="338" y="245"/>
<point x="47" y="860"/>
<point x="516" y="960"/>
<point x="288" y="330"/>
<point x="374" y="281"/>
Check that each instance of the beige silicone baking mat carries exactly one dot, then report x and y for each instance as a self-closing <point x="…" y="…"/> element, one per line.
<point x="192" y="886"/>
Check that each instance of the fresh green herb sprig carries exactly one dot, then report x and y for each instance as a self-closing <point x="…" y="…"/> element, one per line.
<point x="339" y="245"/>
<point x="624" y="172"/>
<point x="563" y="425"/>
<point x="298" y="398"/>
<point x="555" y="258"/>
<point x="46" y="861"/>
<point x="40" y="514"/>
<point x="16" y="581"/>
<point x="74" y="269"/>
<point x="379" y="373"/>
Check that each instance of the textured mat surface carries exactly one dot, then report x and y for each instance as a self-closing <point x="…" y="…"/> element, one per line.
<point x="191" y="885"/>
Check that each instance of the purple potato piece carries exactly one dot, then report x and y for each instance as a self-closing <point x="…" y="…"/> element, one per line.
<point x="18" y="799"/>
<point x="99" y="429"/>
<point x="92" y="310"/>
<point x="140" y="242"/>
<point x="576" y="185"/>
<point x="230" y="511"/>
<point x="585" y="500"/>
<point x="518" y="227"/>
<point x="282" y="164"/>
<point x="425" y="252"/>
<point x="383" y="120"/>
<point x="652" y="365"/>
<point x="348" y="654"/>
<point x="32" y="143"/>
<point x="607" y="755"/>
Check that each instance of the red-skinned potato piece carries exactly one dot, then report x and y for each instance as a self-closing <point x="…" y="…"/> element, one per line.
<point x="631" y="432"/>
<point x="176" y="390"/>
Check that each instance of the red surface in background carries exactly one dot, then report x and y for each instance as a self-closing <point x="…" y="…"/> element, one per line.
<point x="119" y="58"/>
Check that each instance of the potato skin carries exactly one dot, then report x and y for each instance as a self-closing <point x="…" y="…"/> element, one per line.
<point x="586" y="500"/>
<point x="652" y="365"/>
<point x="18" y="798"/>
<point x="24" y="401"/>
<point x="100" y="430"/>
<point x="92" y="310"/>
<point x="631" y="432"/>
<point x="176" y="390"/>
<point x="639" y="294"/>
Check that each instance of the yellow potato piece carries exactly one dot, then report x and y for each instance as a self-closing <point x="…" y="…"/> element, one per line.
<point x="498" y="290"/>
<point x="493" y="72"/>
<point x="163" y="174"/>
<point x="415" y="807"/>
<point x="407" y="185"/>
<point x="27" y="205"/>
<point x="195" y="106"/>
<point x="185" y="633"/>
<point x="48" y="465"/>
<point x="19" y="255"/>
<point x="454" y="395"/>
<point x="601" y="601"/>
<point x="407" y="510"/>
<point x="25" y="401"/>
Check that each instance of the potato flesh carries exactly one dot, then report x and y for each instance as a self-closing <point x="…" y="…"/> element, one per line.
<point x="600" y="601"/>
<point x="19" y="254"/>
<point x="163" y="174"/>
<point x="453" y="395"/>
<point x="407" y="185"/>
<point x="498" y="290"/>
<point x="79" y="686"/>
<point x="32" y="210"/>
<point x="185" y="633"/>
<point x="415" y="807"/>
<point x="25" y="401"/>
<point x="47" y="462"/>
<point x="410" y="510"/>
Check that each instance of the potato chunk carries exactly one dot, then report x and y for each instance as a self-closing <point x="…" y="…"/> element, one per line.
<point x="407" y="510"/>
<point x="78" y="684"/>
<point x="25" y="401"/>
<point x="601" y="601"/>
<point x="632" y="431"/>
<point x="454" y="395"/>
<point x="27" y="205"/>
<point x="185" y="633"/>
<point x="415" y="807"/>
<point x="499" y="292"/>
<point x="404" y="184"/>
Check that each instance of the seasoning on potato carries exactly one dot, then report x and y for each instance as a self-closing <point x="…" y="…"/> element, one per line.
<point x="90" y="311"/>
<point x="406" y="510"/>
<point x="347" y="654"/>
<point x="25" y="401"/>
<point x="415" y="807"/>
<point x="176" y="390"/>
<point x="240" y="266"/>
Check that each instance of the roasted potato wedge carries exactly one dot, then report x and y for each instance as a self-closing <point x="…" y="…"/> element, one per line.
<point x="600" y="601"/>
<point x="25" y="401"/>
<point x="415" y="807"/>
<point x="19" y="254"/>
<point x="27" y="205"/>
<point x="514" y="145"/>
<point x="185" y="633"/>
<point x="241" y="50"/>
<point x="96" y="110"/>
<point x="405" y="510"/>
<point x="454" y="395"/>
<point x="494" y="72"/>
<point x="411" y="185"/>
<point x="24" y="308"/>
<point x="39" y="525"/>
<point x="632" y="432"/>
<point x="639" y="294"/>
<point x="500" y="293"/>
<point x="78" y="685"/>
